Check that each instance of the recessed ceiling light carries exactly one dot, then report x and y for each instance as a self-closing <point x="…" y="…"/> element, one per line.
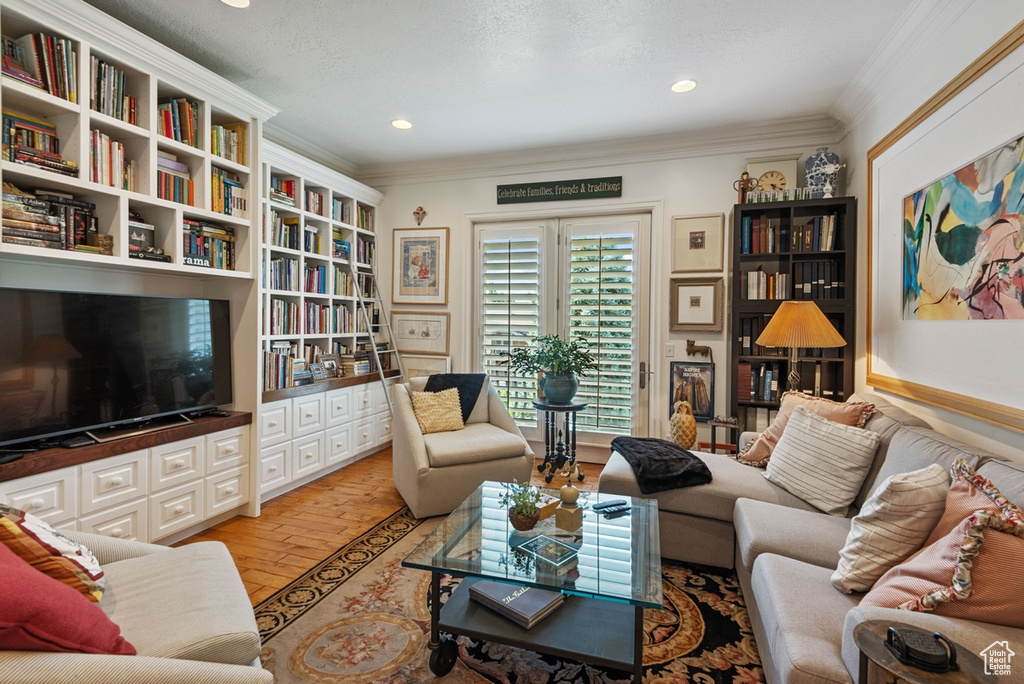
<point x="683" y="86"/>
<point x="236" y="3"/>
<point x="401" y="124"/>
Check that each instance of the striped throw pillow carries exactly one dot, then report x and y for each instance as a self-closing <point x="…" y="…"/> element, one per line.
<point x="893" y="524"/>
<point x="822" y="462"/>
<point x="50" y="552"/>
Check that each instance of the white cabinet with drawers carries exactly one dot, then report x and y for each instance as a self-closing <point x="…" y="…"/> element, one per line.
<point x="323" y="431"/>
<point x="146" y="494"/>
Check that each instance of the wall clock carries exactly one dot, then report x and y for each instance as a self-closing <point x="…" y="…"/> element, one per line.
<point x="772" y="180"/>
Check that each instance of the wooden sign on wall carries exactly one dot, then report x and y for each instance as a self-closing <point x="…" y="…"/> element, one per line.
<point x="553" y="191"/>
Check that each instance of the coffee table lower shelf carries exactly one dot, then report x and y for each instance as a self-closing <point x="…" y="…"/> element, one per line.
<point x="583" y="629"/>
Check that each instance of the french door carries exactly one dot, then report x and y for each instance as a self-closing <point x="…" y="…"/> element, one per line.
<point x="582" y="277"/>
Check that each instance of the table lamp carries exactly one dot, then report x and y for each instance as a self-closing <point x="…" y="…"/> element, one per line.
<point x="799" y="325"/>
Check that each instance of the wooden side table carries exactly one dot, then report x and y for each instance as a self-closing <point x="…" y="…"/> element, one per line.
<point x="878" y="665"/>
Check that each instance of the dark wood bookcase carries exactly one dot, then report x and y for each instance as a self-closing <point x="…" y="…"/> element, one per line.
<point x="802" y="249"/>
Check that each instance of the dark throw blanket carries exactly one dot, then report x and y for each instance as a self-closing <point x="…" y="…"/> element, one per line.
<point x="660" y="464"/>
<point x="468" y="384"/>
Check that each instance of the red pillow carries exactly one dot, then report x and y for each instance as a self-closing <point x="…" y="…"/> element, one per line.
<point x="39" y="613"/>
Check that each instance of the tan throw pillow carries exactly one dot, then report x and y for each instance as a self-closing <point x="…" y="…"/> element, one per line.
<point x="50" y="552"/>
<point x="438" y="411"/>
<point x="972" y="573"/>
<point x="892" y="525"/>
<point x="821" y="461"/>
<point x="759" y="450"/>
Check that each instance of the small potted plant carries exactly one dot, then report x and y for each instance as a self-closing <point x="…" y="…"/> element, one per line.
<point x="560" y="362"/>
<point x="521" y="500"/>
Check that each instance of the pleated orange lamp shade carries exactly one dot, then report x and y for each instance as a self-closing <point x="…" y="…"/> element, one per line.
<point x="799" y="325"/>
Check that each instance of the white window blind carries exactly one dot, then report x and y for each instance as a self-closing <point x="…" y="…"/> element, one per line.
<point x="600" y="309"/>
<point x="511" y="281"/>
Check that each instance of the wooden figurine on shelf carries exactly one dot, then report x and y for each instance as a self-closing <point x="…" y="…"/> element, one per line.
<point x="744" y="185"/>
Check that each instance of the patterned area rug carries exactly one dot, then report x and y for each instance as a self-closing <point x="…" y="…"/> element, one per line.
<point x="360" y="617"/>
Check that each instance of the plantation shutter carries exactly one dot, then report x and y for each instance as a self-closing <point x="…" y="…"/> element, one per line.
<point x="600" y="309"/>
<point x="511" y="280"/>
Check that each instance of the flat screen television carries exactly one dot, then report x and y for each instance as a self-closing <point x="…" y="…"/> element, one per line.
<point x="72" y="361"/>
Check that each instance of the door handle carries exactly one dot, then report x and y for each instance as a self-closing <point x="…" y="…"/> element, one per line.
<point x="643" y="374"/>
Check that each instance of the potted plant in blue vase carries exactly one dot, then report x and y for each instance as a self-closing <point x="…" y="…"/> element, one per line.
<point x="559" y="362"/>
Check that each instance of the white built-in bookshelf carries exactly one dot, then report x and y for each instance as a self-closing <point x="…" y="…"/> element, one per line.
<point x="318" y="243"/>
<point x="156" y="140"/>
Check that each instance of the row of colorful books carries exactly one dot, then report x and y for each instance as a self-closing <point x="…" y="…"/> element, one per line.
<point x="773" y="235"/>
<point x="343" y="282"/>
<point x="229" y="141"/>
<point x="364" y="218"/>
<point x="179" y="120"/>
<point x="282" y="190"/>
<point x="317" y="318"/>
<point x="762" y="285"/>
<point x="341" y="211"/>
<point x="284" y="230"/>
<point x="284" y="317"/>
<point x="47" y="219"/>
<point x="43" y="61"/>
<point x="283" y="274"/>
<point x="314" y="202"/>
<point x="227" y="196"/>
<point x="208" y="244"/>
<point x="175" y="187"/>
<point x="34" y="142"/>
<point x="109" y="91"/>
<point x="315" y="278"/>
<point x="108" y="163"/>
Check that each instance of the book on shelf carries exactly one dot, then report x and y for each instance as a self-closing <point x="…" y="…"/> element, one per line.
<point x="526" y="606"/>
<point x="53" y="61"/>
<point x="16" y="64"/>
<point x="551" y="555"/>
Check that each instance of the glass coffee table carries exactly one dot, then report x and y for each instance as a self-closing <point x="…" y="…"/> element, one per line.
<point x="617" y="574"/>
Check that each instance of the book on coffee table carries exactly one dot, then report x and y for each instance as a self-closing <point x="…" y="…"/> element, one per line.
<point x="552" y="555"/>
<point x="526" y="606"/>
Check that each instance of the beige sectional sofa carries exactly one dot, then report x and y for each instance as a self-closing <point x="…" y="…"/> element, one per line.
<point x="184" y="609"/>
<point x="785" y="550"/>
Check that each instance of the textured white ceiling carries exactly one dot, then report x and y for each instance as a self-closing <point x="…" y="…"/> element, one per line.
<point x="478" y="77"/>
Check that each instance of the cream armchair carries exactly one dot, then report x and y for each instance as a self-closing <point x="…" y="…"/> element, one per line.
<point x="435" y="473"/>
<point x="184" y="609"/>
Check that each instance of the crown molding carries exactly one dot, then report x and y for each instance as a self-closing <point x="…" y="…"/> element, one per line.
<point x="308" y="149"/>
<point x="296" y="162"/>
<point x="898" y="55"/>
<point x="116" y="40"/>
<point x="761" y="139"/>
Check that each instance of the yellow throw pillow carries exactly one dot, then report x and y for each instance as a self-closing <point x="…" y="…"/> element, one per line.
<point x="438" y="411"/>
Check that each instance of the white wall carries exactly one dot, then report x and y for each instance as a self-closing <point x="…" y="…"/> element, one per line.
<point x="940" y="56"/>
<point x="698" y="185"/>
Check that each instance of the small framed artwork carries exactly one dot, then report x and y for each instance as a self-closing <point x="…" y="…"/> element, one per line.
<point x="420" y="332"/>
<point x="331" y="364"/>
<point x="318" y="371"/>
<point x="695" y="304"/>
<point x="697" y="243"/>
<point x="695" y="383"/>
<point x="416" y="366"/>
<point x="420" y="266"/>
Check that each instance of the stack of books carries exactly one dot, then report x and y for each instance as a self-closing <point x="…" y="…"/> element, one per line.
<point x="33" y="142"/>
<point x="525" y="606"/>
<point x="209" y="244"/>
<point x="174" y="180"/>
<point x="227" y="196"/>
<point x="282" y="191"/>
<point x="47" y="219"/>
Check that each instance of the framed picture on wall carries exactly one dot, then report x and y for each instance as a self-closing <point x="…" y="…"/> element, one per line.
<point x="693" y="382"/>
<point x="417" y="366"/>
<point x="695" y="304"/>
<point x="697" y="243"/>
<point x="420" y="332"/>
<point x="420" y="266"/>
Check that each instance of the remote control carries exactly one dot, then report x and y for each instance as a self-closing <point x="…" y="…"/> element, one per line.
<point x="602" y="505"/>
<point x="615" y="509"/>
<point x="11" y="456"/>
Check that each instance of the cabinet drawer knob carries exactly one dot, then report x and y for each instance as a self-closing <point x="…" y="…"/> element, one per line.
<point x="272" y="423"/>
<point x="309" y="456"/>
<point x="177" y="465"/>
<point x="229" y="490"/>
<point x="34" y="503"/>
<point x="229" y="450"/>
<point x="116" y="482"/>
<point x="272" y="469"/>
<point x="309" y="415"/>
<point x="116" y="532"/>
<point x="178" y="510"/>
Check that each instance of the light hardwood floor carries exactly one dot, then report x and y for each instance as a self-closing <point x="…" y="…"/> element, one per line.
<point x="297" y="530"/>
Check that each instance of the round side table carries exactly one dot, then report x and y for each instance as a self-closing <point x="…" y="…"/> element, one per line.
<point x="559" y="445"/>
<point x="878" y="664"/>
